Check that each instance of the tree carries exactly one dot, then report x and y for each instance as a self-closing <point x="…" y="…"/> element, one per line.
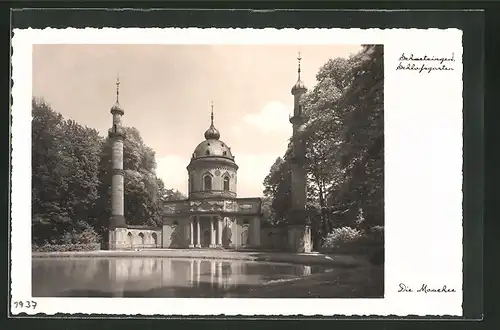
<point x="65" y="159"/>
<point x="362" y="148"/>
<point x="278" y="189"/>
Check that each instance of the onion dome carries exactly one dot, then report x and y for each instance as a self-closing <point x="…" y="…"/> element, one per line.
<point x="212" y="146"/>
<point x="212" y="133"/>
<point x="299" y="85"/>
<point x="116" y="108"/>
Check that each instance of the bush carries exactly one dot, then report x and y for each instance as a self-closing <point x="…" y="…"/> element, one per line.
<point x="84" y="235"/>
<point x="342" y="235"/>
<point x="352" y="241"/>
<point x="66" y="247"/>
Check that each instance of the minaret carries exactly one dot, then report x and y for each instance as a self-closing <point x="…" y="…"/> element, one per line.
<point x="298" y="167"/>
<point x="298" y="160"/>
<point x="116" y="134"/>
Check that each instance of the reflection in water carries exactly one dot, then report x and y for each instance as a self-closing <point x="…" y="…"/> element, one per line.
<point x="156" y="277"/>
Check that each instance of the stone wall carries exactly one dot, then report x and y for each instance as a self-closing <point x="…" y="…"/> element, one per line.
<point x="274" y="238"/>
<point x="135" y="238"/>
<point x="175" y="232"/>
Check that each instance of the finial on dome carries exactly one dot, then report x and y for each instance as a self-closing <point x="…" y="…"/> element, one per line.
<point x="212" y="114"/>
<point x="299" y="86"/>
<point x="117" y="87"/>
<point x="299" y="58"/>
<point x="212" y="133"/>
<point x="116" y="107"/>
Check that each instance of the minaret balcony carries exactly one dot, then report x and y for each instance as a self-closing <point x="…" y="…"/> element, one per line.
<point x="298" y="119"/>
<point x="116" y="131"/>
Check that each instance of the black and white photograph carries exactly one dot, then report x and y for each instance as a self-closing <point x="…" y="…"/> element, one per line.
<point x="222" y="168"/>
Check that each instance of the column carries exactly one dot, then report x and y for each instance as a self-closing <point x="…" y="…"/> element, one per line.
<point x="191" y="233"/>
<point x="212" y="233"/>
<point x="198" y="230"/>
<point x="219" y="231"/>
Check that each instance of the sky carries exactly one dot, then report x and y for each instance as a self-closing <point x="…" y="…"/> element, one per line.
<point x="166" y="92"/>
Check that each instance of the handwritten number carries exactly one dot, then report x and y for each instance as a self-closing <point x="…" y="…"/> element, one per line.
<point x="26" y="304"/>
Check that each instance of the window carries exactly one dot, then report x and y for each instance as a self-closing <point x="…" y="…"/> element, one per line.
<point x="141" y="235"/>
<point x="226" y="183"/>
<point x="207" y="182"/>
<point x="155" y="239"/>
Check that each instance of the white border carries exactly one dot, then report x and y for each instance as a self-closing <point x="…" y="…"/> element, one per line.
<point x="423" y="173"/>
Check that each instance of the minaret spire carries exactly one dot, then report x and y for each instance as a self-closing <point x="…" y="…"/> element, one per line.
<point x="212" y="133"/>
<point x="212" y="114"/>
<point x="299" y="59"/>
<point x="117" y="88"/>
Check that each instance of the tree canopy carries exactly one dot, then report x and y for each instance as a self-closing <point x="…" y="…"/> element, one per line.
<point x="71" y="181"/>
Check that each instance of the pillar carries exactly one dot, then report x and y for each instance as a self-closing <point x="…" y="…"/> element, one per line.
<point x="212" y="233"/>
<point x="219" y="231"/>
<point x="198" y="230"/>
<point x="191" y="233"/>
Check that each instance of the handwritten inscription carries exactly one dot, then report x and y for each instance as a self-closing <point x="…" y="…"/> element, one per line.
<point x="425" y="63"/>
<point x="425" y="289"/>
<point x="27" y="304"/>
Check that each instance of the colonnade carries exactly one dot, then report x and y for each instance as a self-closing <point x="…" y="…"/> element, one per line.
<point x="215" y="231"/>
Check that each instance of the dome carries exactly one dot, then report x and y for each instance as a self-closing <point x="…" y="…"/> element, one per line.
<point x="212" y="133"/>
<point x="299" y="85"/>
<point x="212" y="148"/>
<point x="117" y="108"/>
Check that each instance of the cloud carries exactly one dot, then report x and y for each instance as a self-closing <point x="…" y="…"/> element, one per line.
<point x="252" y="171"/>
<point x="272" y="118"/>
<point x="172" y="170"/>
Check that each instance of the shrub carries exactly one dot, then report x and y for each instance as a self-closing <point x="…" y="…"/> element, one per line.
<point x="352" y="241"/>
<point x="85" y="234"/>
<point x="66" y="247"/>
<point x="341" y="235"/>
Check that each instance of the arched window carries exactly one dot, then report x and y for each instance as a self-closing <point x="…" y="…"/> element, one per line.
<point x="129" y="236"/>
<point x="226" y="183"/>
<point x="207" y="182"/>
<point x="155" y="239"/>
<point x="141" y="235"/>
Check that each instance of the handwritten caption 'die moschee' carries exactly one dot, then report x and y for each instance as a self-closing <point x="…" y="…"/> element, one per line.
<point x="425" y="63"/>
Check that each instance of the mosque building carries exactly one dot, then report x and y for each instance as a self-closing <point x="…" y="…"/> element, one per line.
<point x="212" y="216"/>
